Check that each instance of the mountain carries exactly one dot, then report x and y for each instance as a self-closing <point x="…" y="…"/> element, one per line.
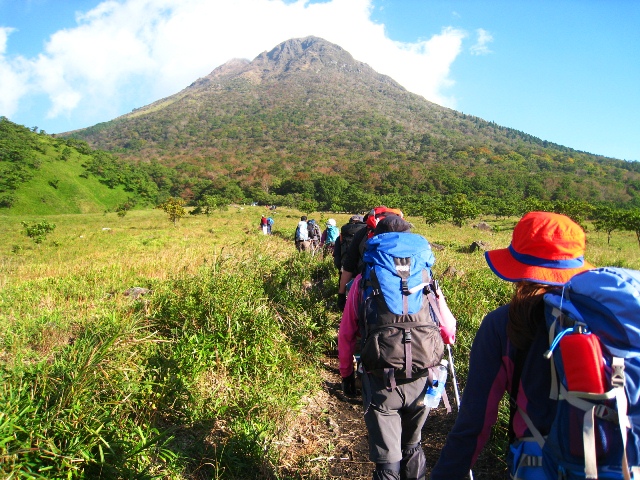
<point x="306" y="110"/>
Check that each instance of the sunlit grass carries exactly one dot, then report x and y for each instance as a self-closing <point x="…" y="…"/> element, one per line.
<point x="203" y="371"/>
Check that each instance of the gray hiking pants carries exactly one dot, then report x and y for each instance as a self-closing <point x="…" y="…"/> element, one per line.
<point x="394" y="422"/>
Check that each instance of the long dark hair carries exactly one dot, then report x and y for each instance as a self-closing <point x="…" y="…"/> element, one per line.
<point x="526" y="313"/>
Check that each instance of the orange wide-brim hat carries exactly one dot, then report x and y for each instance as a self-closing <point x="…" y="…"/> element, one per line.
<point x="545" y="248"/>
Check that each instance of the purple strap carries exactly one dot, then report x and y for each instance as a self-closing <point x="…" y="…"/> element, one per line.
<point x="408" y="357"/>
<point x="435" y="307"/>
<point x="405" y="298"/>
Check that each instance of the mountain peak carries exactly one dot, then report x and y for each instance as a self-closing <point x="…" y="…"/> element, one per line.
<point x="297" y="56"/>
<point x="303" y="53"/>
<point x="299" y="47"/>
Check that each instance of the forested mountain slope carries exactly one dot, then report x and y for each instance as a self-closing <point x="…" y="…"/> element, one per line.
<point x="307" y="110"/>
<point x="41" y="175"/>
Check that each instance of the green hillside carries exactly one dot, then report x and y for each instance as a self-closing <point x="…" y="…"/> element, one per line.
<point x="43" y="175"/>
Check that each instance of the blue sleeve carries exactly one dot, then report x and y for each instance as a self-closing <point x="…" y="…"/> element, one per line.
<point x="486" y="383"/>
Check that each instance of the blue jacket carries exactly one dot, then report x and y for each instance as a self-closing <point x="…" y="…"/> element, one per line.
<point x="332" y="234"/>
<point x="491" y="368"/>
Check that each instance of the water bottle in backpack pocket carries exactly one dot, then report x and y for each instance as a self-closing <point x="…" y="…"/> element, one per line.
<point x="433" y="394"/>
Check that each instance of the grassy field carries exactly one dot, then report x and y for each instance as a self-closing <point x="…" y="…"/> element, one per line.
<point x="200" y="373"/>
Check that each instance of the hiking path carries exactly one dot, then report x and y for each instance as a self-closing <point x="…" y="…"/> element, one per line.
<point x="334" y="426"/>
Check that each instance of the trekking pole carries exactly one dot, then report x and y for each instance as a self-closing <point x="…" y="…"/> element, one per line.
<point x="455" y="388"/>
<point x="453" y="377"/>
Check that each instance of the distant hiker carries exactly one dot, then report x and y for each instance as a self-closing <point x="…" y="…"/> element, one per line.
<point x="314" y="234"/>
<point x="347" y="232"/>
<point x="302" y="235"/>
<point x="264" y="225"/>
<point x="391" y="306"/>
<point x="329" y="236"/>
<point x="352" y="260"/>
<point x="269" y="224"/>
<point x="507" y="354"/>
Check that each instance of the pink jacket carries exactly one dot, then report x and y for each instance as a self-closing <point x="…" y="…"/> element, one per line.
<point x="349" y="332"/>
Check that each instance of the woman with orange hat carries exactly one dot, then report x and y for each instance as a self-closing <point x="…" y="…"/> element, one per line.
<point x="546" y="250"/>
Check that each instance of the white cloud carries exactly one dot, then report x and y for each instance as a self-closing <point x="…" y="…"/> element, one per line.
<point x="13" y="77"/>
<point x="4" y="34"/>
<point x="129" y="51"/>
<point x="481" y="46"/>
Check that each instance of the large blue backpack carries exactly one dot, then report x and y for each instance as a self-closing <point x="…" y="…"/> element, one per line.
<point x="398" y="315"/>
<point x="594" y="334"/>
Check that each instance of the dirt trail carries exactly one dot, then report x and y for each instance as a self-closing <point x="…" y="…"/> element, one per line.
<point x="335" y="428"/>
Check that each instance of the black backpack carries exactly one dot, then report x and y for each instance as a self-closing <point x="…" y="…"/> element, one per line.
<point x="347" y="232"/>
<point x="314" y="230"/>
<point x="400" y="328"/>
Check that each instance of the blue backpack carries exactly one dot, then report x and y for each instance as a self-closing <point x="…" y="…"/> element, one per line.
<point x="594" y="336"/>
<point x="398" y="322"/>
<point x="332" y="234"/>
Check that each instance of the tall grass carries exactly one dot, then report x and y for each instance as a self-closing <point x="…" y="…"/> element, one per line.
<point x="193" y="379"/>
<point x="200" y="376"/>
<point x="79" y="413"/>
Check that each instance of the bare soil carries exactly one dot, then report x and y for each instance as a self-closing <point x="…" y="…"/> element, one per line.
<point x="332" y="424"/>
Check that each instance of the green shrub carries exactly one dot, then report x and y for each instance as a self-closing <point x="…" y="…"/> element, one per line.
<point x="38" y="231"/>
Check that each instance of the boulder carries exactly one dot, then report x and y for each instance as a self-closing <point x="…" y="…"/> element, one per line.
<point x="484" y="226"/>
<point x="136" y="292"/>
<point x="479" y="245"/>
<point x="452" y="271"/>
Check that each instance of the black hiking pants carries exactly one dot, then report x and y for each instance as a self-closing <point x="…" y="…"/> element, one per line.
<point x="394" y="420"/>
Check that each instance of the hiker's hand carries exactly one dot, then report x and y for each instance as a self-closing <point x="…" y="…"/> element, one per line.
<point x="342" y="301"/>
<point x="349" y="384"/>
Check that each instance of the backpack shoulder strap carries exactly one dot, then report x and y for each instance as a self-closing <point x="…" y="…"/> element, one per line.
<point x="431" y="291"/>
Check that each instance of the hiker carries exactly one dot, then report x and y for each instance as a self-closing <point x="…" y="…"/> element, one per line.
<point x="394" y="408"/>
<point x="347" y="233"/>
<point x="329" y="236"/>
<point x="352" y="260"/>
<point x="263" y="225"/>
<point x="269" y="225"/>
<point x="302" y="235"/>
<point x="546" y="250"/>
<point x="314" y="234"/>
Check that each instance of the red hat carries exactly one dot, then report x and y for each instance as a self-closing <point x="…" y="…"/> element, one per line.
<point x="377" y="214"/>
<point x="545" y="248"/>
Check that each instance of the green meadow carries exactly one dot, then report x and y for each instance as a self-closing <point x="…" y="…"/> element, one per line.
<point x="130" y="348"/>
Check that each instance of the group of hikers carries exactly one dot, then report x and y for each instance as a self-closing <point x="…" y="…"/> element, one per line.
<point x="566" y="350"/>
<point x="265" y="225"/>
<point x="308" y="236"/>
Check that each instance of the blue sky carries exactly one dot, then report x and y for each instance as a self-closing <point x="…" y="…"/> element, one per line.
<point x="567" y="71"/>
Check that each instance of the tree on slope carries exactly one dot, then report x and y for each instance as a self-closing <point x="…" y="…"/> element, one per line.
<point x="174" y="208"/>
